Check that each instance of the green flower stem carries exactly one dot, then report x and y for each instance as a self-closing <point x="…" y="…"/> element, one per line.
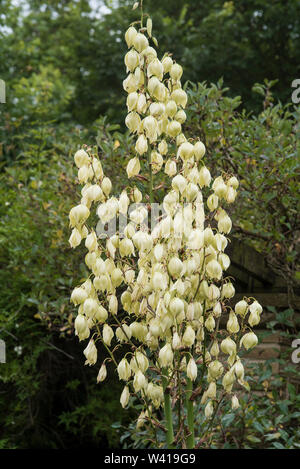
<point x="190" y="414"/>
<point x="168" y="411"/>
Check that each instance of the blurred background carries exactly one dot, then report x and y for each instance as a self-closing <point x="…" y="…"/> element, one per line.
<point x="62" y="63"/>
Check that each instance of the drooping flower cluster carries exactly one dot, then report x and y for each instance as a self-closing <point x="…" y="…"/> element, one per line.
<point x="163" y="289"/>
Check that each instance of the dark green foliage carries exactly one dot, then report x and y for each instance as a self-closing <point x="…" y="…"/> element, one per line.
<point x="48" y="398"/>
<point x="245" y="42"/>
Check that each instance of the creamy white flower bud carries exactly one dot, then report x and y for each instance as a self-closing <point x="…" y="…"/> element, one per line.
<point x="171" y="108"/>
<point x="117" y="277"/>
<point x="130" y="84"/>
<point x="123" y="333"/>
<point x="209" y="410"/>
<point x="81" y="158"/>
<point x="234" y="402"/>
<point x="188" y="338"/>
<point x="214" y="351"/>
<point x="141" y="108"/>
<point x="228" y="346"/>
<point x="140" y="42"/>
<point x="106" y="186"/>
<point x="102" y="373"/>
<point x="158" y="281"/>
<point x="176" y="306"/>
<point x="228" y="290"/>
<point x="137" y="195"/>
<point x="230" y="195"/>
<point x="139" y="361"/>
<point x="239" y="369"/>
<point x="199" y="150"/>
<point x="79" y="295"/>
<point x="214" y="270"/>
<point x="215" y="369"/>
<point x="90" y="353"/>
<point x="212" y="390"/>
<point x="113" y="304"/>
<point x="126" y="247"/>
<point x="173" y="128"/>
<point x="228" y="380"/>
<point x="141" y="145"/>
<point x="176" y="72"/>
<point x="180" y="97"/>
<point x="217" y="310"/>
<point x="150" y="127"/>
<point x="224" y="223"/>
<point x="241" y="308"/>
<point x="255" y="307"/>
<point x="254" y="318"/>
<point x="158" y="252"/>
<point x="175" y="267"/>
<point x="124" y="399"/>
<point x="139" y="381"/>
<point x="167" y="64"/>
<point x="156" y="161"/>
<point x="232" y="324"/>
<point x="224" y="260"/>
<point x="81" y="326"/>
<point x="90" y="307"/>
<point x="129" y="276"/>
<point x="141" y="420"/>
<point x="124" y="370"/>
<point x="213" y="293"/>
<point x="126" y="298"/>
<point x="170" y="168"/>
<point x="131" y="101"/>
<point x="155" y="68"/>
<point x="179" y="183"/>
<point x="191" y="369"/>
<point x="78" y="215"/>
<point x="131" y="60"/>
<point x="212" y="202"/>
<point x="204" y="177"/>
<point x="186" y="151"/>
<point x="249" y="340"/>
<point x="233" y="182"/>
<point x="75" y="238"/>
<point x="180" y="116"/>
<point x="94" y="193"/>
<point x="84" y="174"/>
<point x="139" y="330"/>
<point x="210" y="323"/>
<point x="166" y="356"/>
<point x="219" y="187"/>
<point x="107" y="334"/>
<point x="133" y="120"/>
<point x="130" y="35"/>
<point x="176" y="342"/>
<point x="133" y="167"/>
<point x="91" y="242"/>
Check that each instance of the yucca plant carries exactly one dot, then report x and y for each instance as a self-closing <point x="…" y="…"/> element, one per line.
<point x="158" y="286"/>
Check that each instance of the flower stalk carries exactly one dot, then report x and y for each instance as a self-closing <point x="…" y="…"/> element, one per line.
<point x="168" y="411"/>
<point x="190" y="441"/>
<point x="160" y="290"/>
